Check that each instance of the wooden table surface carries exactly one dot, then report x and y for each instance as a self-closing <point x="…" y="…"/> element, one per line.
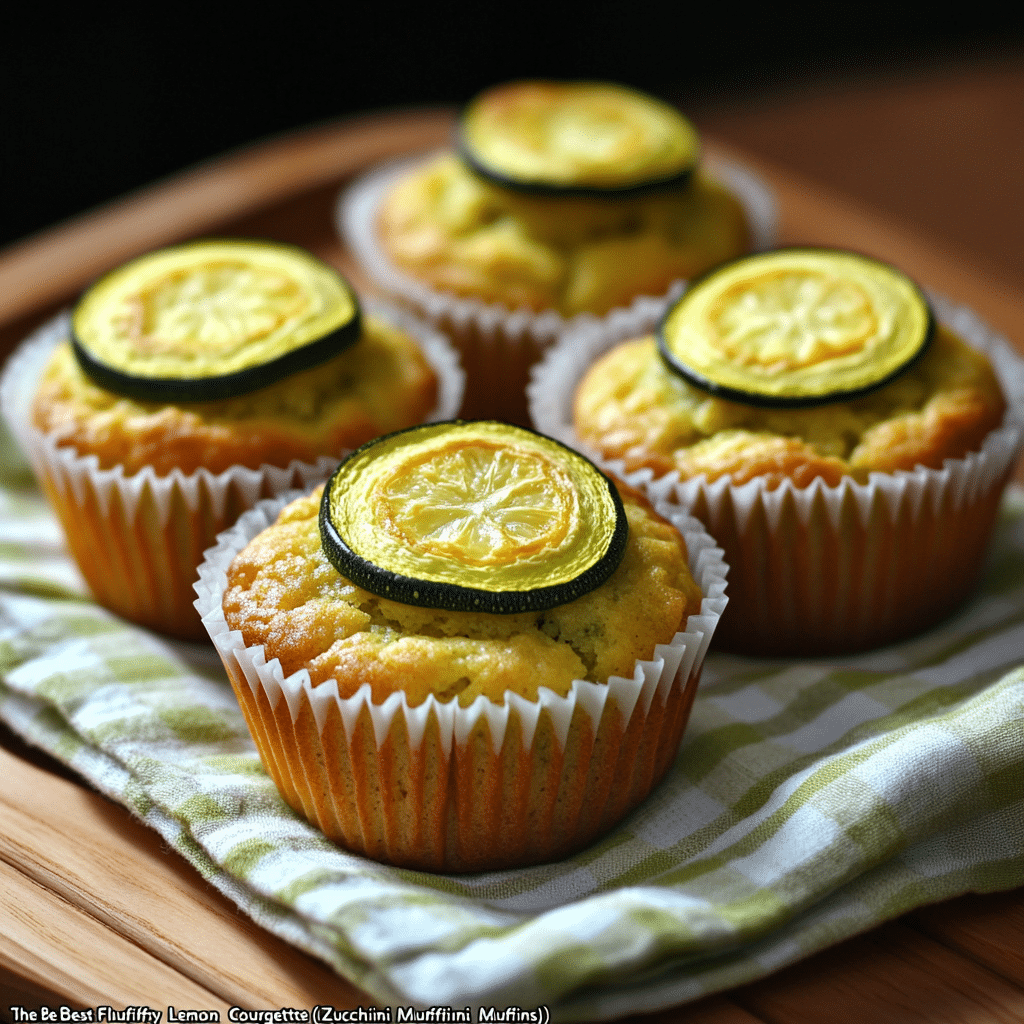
<point x="95" y="910"/>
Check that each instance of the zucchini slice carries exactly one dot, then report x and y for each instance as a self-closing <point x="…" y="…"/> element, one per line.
<point x="212" y="319"/>
<point x="592" y="139"/>
<point x="472" y="516"/>
<point x="796" y="327"/>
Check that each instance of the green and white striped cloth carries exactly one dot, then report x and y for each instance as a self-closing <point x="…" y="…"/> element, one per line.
<point x="811" y="800"/>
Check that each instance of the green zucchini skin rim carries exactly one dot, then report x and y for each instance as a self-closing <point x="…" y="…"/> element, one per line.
<point x="761" y="401"/>
<point x="671" y="183"/>
<point x="453" y="597"/>
<point x="217" y="387"/>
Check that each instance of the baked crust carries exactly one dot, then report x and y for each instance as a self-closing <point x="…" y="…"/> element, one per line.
<point x="629" y="406"/>
<point x="283" y="592"/>
<point x="463" y="235"/>
<point x="381" y="383"/>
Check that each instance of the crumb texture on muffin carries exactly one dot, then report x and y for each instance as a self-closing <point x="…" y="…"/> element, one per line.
<point x="469" y="237"/>
<point x="630" y="406"/>
<point x="381" y="383"/>
<point x="283" y="593"/>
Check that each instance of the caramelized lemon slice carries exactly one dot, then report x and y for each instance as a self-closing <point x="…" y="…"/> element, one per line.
<point x="472" y="516"/>
<point x="212" y="319"/>
<point x="796" y="327"/>
<point x="577" y="138"/>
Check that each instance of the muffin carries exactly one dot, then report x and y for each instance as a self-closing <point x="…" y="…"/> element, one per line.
<point x="847" y="447"/>
<point x="559" y="200"/>
<point x="411" y="726"/>
<point x="192" y="382"/>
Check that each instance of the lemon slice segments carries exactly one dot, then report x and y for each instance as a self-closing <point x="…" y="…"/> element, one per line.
<point x="585" y="139"/>
<point x="472" y="516"/>
<point x="212" y="319"/>
<point x="796" y="327"/>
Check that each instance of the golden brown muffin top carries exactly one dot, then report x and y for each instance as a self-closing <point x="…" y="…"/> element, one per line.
<point x="379" y="384"/>
<point x="630" y="406"/>
<point x="457" y="233"/>
<point x="284" y="593"/>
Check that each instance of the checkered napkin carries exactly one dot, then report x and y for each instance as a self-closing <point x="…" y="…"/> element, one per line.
<point x="811" y="800"/>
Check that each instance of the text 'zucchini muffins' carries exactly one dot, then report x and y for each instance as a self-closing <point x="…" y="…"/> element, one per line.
<point x="414" y="727"/>
<point x="846" y="447"/>
<point x="558" y="200"/>
<point x="193" y="381"/>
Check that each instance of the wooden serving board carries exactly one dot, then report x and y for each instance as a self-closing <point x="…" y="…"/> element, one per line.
<point x="94" y="910"/>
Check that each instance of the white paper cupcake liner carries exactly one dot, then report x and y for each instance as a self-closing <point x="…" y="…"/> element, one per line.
<point x="825" y="569"/>
<point x="500" y="344"/>
<point x="138" y="537"/>
<point x="462" y="736"/>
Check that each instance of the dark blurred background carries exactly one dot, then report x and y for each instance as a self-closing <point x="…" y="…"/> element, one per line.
<point x="93" y="106"/>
